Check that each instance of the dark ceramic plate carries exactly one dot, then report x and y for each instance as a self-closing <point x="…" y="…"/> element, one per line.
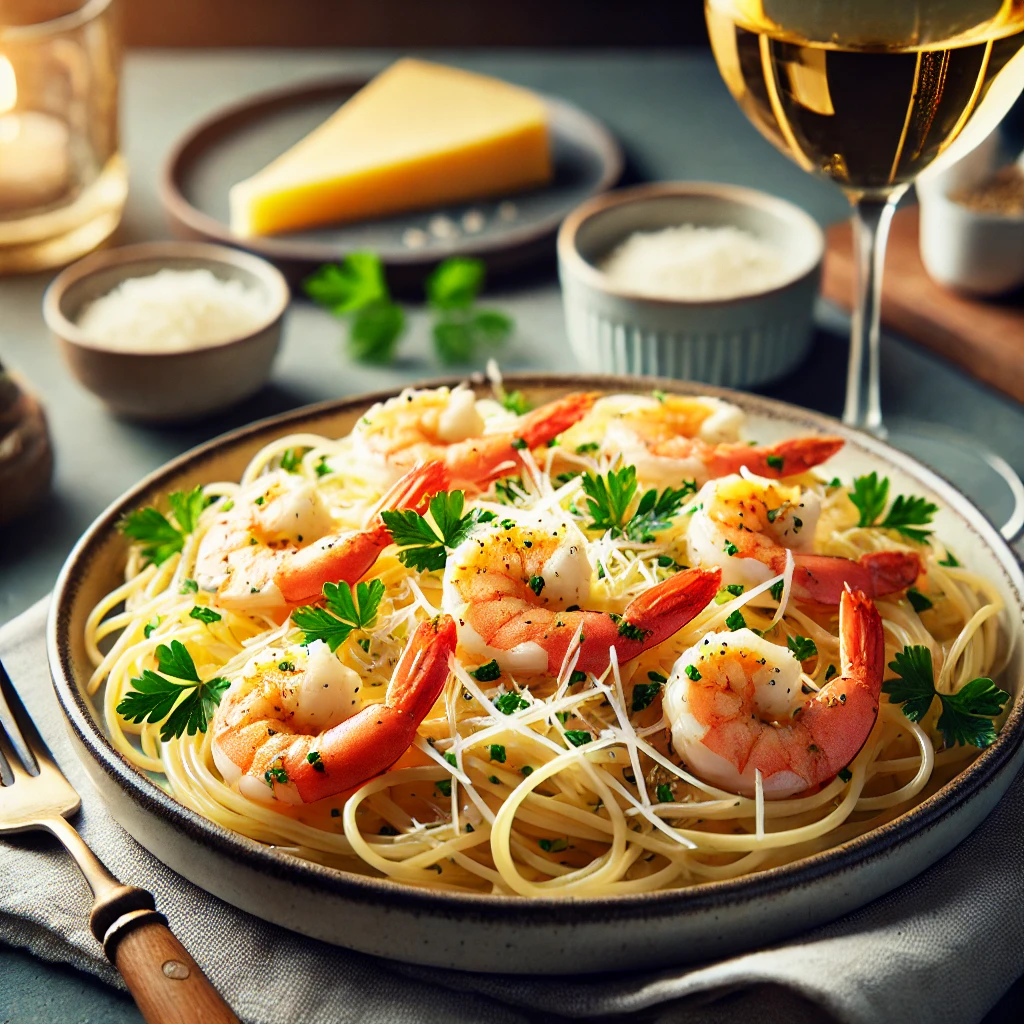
<point x="549" y="936"/>
<point x="239" y="140"/>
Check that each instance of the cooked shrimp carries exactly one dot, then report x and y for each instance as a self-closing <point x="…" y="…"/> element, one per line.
<point x="734" y="706"/>
<point x="744" y="525"/>
<point x="281" y="547"/>
<point x="680" y="437"/>
<point x="447" y="425"/>
<point x="288" y="727"/>
<point x="516" y="590"/>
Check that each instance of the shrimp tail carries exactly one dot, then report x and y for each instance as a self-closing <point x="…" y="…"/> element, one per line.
<point x="348" y="557"/>
<point x="547" y="422"/>
<point x="415" y="489"/>
<point x="791" y="457"/>
<point x="821" y="579"/>
<point x="648" y="620"/>
<point x="475" y="462"/>
<point x="369" y="743"/>
<point x="839" y="718"/>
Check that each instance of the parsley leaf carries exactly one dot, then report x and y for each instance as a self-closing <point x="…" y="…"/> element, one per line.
<point x="455" y="283"/>
<point x="918" y="601"/>
<point x="907" y="515"/>
<point x="644" y="693"/>
<point x="803" y="647"/>
<point x="609" y="497"/>
<point x="509" y="703"/>
<point x="186" y="706"/>
<point x="949" y="560"/>
<point x="356" y="289"/>
<point x="206" y="615"/>
<point x="664" y="794"/>
<point x="344" y="613"/>
<point x="514" y="401"/>
<point x="578" y="737"/>
<point x="460" y="328"/>
<point x="160" y="539"/>
<point x="736" y="621"/>
<point x="487" y="673"/>
<point x="496" y="752"/>
<point x="656" y="512"/>
<point x="426" y="547"/>
<point x="966" y="716"/>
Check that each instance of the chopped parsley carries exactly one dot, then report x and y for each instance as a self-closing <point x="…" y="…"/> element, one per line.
<point x="321" y="467"/>
<point x="186" y="706"/>
<point x="537" y="584"/>
<point x="776" y="590"/>
<point x="577" y="737"/>
<point x="918" y="601"/>
<point x="587" y="449"/>
<point x="644" y="693"/>
<point x="147" y="630"/>
<point x="730" y="549"/>
<point x="514" y="401"/>
<point x="496" y="752"/>
<point x="313" y="757"/>
<point x="291" y="459"/>
<point x="553" y="845"/>
<point x="344" y="613"/>
<point x="159" y="537"/>
<point x="845" y="774"/>
<point x="487" y="673"/>
<point x="188" y="587"/>
<point x="908" y="515"/>
<point x="656" y="512"/>
<point x="509" y="703"/>
<point x="206" y="615"/>
<point x="949" y="560"/>
<point x="736" y="621"/>
<point x="692" y="672"/>
<point x="830" y="672"/>
<point x="664" y="794"/>
<point x="966" y="716"/>
<point x="775" y="461"/>
<point x="578" y="676"/>
<point x="425" y="546"/>
<point x="444" y="787"/>
<point x="451" y="759"/>
<point x="527" y="769"/>
<point x="803" y="647"/>
<point x="275" y="774"/>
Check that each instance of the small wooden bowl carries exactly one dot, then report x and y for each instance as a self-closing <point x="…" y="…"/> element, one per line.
<point x="166" y="387"/>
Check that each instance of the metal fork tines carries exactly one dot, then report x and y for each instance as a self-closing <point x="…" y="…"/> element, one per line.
<point x="168" y="985"/>
<point x="32" y="789"/>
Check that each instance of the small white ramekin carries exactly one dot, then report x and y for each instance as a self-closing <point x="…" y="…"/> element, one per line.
<point x="738" y="342"/>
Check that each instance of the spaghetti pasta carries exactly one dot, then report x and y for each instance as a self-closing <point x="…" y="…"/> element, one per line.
<point x="570" y="786"/>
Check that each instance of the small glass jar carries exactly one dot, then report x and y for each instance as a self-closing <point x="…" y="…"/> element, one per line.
<point x="63" y="183"/>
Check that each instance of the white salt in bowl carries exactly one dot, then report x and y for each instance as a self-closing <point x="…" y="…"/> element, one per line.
<point x="751" y="338"/>
<point x="167" y="386"/>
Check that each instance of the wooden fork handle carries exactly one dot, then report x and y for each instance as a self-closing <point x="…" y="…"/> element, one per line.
<point x="168" y="985"/>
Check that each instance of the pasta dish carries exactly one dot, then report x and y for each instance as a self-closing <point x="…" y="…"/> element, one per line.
<point x="602" y="646"/>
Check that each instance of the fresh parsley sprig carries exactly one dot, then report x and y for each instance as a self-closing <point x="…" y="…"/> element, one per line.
<point x="159" y="537"/>
<point x="344" y="613"/>
<point x="355" y="290"/>
<point x="426" y="546"/>
<point x="610" y="495"/>
<point x="907" y="515"/>
<point x="186" y="706"/>
<point x="656" y="511"/>
<point x="966" y="715"/>
<point x="461" y="328"/>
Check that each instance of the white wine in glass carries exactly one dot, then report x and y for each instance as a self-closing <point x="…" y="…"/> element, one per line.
<point x="871" y="93"/>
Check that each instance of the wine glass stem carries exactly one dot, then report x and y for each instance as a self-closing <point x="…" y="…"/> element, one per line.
<point x="871" y="219"/>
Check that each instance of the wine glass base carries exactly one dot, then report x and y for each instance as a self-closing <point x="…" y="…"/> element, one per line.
<point x="985" y="477"/>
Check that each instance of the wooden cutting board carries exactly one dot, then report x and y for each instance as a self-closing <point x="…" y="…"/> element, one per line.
<point x="985" y="338"/>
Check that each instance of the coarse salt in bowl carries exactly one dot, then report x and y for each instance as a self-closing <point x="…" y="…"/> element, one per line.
<point x="698" y="281"/>
<point x="168" y="331"/>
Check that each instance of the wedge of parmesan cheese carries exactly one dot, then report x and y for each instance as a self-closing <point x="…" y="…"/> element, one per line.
<point x="419" y="135"/>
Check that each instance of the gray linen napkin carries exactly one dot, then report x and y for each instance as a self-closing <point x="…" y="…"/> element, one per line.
<point x="942" y="948"/>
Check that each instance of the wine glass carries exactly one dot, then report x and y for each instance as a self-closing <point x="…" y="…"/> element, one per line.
<point x="871" y="93"/>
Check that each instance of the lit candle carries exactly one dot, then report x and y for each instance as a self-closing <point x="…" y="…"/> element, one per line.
<point x="35" y="159"/>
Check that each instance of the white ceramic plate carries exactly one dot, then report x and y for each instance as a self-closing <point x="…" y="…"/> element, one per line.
<point x="487" y="933"/>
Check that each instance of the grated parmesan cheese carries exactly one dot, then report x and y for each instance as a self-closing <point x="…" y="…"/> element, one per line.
<point x="696" y="263"/>
<point x="173" y="310"/>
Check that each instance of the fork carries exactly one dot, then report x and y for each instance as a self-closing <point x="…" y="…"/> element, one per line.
<point x="168" y="985"/>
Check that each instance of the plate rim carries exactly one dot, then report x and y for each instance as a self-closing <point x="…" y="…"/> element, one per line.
<point x="513" y="909"/>
<point x="191" y="143"/>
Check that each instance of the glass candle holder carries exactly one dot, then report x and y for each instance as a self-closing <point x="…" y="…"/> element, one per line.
<point x="63" y="183"/>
